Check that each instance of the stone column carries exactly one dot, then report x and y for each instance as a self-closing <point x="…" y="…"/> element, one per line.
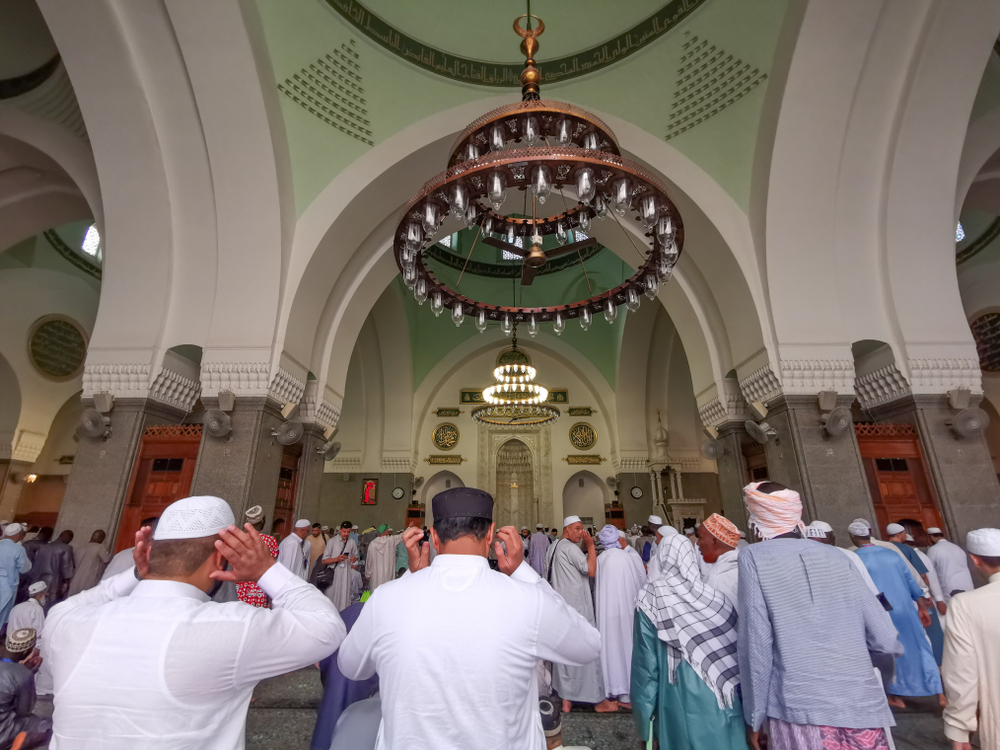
<point x="826" y="470"/>
<point x="311" y="468"/>
<point x="732" y="472"/>
<point x="97" y="486"/>
<point x="961" y="469"/>
<point x="242" y="468"/>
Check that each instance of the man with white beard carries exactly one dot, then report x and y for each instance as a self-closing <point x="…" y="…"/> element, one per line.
<point x="620" y="578"/>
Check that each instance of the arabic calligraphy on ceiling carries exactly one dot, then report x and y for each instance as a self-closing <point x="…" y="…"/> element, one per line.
<point x="485" y="73"/>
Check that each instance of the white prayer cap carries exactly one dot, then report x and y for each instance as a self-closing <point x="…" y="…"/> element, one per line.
<point x="254" y="514"/>
<point x="12" y="529"/>
<point x="539" y="526"/>
<point x="860" y="527"/>
<point x="894" y="528"/>
<point x="983" y="542"/>
<point x="194" y="518"/>
<point x="814" y="532"/>
<point x="934" y="531"/>
<point x="302" y="523"/>
<point x="571" y="519"/>
<point x="909" y="537"/>
<point x="655" y="522"/>
<point x="666" y="531"/>
<point x="354" y="527"/>
<point x="822" y="526"/>
<point x="37" y="587"/>
<point x="621" y="534"/>
<point x="689" y="531"/>
<point x="524" y="528"/>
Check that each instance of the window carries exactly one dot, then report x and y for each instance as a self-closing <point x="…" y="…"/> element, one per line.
<point x="508" y="255"/>
<point x="959" y="232"/>
<point x="92" y="242"/>
<point x="579" y="236"/>
<point x="446" y="241"/>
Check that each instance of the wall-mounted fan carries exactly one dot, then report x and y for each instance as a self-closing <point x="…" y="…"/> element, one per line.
<point x="93" y="424"/>
<point x="612" y="482"/>
<point x="760" y="432"/>
<point x="712" y="449"/>
<point x="417" y="482"/>
<point x="289" y="433"/>
<point x="218" y="423"/>
<point x="329" y="450"/>
<point x="969" y="422"/>
<point x="837" y="421"/>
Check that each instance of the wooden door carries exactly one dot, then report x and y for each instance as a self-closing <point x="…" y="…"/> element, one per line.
<point x="897" y="476"/>
<point x="756" y="462"/>
<point x="288" y="479"/>
<point x="162" y="474"/>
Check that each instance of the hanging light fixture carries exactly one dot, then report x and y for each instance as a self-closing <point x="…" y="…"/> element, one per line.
<point x="539" y="146"/>
<point x="515" y="399"/>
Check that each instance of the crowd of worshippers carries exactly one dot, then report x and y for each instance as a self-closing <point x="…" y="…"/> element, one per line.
<point x="464" y="635"/>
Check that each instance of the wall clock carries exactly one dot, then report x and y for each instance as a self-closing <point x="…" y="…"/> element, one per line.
<point x="397" y="492"/>
<point x="636" y="492"/>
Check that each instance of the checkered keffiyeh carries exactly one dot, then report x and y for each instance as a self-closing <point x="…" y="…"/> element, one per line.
<point x="696" y="622"/>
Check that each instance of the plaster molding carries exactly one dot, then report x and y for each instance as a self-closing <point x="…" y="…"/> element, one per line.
<point x="810" y="376"/>
<point x="285" y="387"/>
<point x="397" y="465"/>
<point x="251" y="379"/>
<point x="936" y="376"/>
<point x="729" y="407"/>
<point x="28" y="446"/>
<point x="760" y="385"/>
<point x="175" y="390"/>
<point x="713" y="413"/>
<point x="880" y="386"/>
<point x="349" y="465"/>
<point x="120" y="380"/>
<point x="317" y="410"/>
<point x="632" y="464"/>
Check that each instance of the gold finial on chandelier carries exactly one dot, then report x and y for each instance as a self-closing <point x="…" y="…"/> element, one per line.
<point x="531" y="77"/>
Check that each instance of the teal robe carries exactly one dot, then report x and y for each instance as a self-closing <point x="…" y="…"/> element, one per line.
<point x="685" y="715"/>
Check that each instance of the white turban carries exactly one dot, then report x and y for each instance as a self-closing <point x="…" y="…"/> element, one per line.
<point x="666" y="531"/>
<point x="609" y="536"/>
<point x="570" y="520"/>
<point x="860" y="527"/>
<point x="654" y="522"/>
<point x="194" y="518"/>
<point x="983" y="542"/>
<point x="621" y="534"/>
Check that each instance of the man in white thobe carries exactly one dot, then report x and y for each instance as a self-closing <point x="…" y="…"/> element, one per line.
<point x="620" y="578"/>
<point x="569" y="571"/>
<point x="30" y="613"/>
<point x="380" y="564"/>
<point x="152" y="663"/>
<point x="951" y="564"/>
<point x="717" y="540"/>
<point x="293" y="552"/>
<point x="90" y="563"/>
<point x="341" y="552"/>
<point x="455" y="643"/>
<point x="653" y="568"/>
<point x="970" y="669"/>
<point x="540" y="542"/>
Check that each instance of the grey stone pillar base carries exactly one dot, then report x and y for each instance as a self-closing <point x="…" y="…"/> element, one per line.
<point x="311" y="467"/>
<point x="827" y="471"/>
<point x="733" y="472"/>
<point x="961" y="469"/>
<point x="97" y="485"/>
<point x="243" y="467"/>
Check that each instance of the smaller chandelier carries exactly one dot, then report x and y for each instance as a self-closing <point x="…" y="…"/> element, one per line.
<point x="515" y="399"/>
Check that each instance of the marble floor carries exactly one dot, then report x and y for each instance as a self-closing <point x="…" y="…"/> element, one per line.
<point x="284" y="712"/>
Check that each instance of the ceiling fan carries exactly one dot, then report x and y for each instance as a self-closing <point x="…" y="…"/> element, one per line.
<point x="534" y="258"/>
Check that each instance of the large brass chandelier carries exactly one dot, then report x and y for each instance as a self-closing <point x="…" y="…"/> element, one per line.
<point x="539" y="146"/>
<point x="515" y="398"/>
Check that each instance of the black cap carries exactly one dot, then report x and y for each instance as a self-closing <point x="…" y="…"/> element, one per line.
<point x="462" y="502"/>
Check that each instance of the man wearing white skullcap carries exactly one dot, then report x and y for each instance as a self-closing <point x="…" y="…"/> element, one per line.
<point x="14" y="563"/>
<point x="861" y="528"/>
<point x="537" y="547"/>
<point x="951" y="564"/>
<point x="620" y="578"/>
<point x="30" y="613"/>
<point x="971" y="666"/>
<point x="569" y="571"/>
<point x="653" y="569"/>
<point x="293" y="552"/>
<point x="192" y="664"/>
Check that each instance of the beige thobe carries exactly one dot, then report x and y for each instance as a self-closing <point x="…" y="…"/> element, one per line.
<point x="90" y="563"/>
<point x="971" y="665"/>
<point x="380" y="564"/>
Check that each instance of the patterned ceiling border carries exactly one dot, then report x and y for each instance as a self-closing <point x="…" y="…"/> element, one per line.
<point x="508" y="75"/>
<point x="507" y="270"/>
<point x="71" y="255"/>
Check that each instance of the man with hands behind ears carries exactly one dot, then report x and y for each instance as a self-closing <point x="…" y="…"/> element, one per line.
<point x="146" y="660"/>
<point x="455" y="644"/>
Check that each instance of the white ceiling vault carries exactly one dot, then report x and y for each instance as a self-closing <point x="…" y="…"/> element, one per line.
<point x="820" y="203"/>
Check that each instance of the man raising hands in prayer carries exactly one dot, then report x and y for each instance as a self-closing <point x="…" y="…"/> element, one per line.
<point x="145" y="660"/>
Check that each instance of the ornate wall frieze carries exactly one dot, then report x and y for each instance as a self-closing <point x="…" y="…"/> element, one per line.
<point x="175" y="390"/>
<point x="318" y="411"/>
<point x="943" y="375"/>
<point x="397" y="465"/>
<point x="810" y="376"/>
<point x="28" y="446"/>
<point x="347" y="465"/>
<point x="120" y="380"/>
<point x="880" y="386"/>
<point x="712" y="413"/>
<point x="632" y="464"/>
<point x="251" y="379"/>
<point x="760" y="385"/>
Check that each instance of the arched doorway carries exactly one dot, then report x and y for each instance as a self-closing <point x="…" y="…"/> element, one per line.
<point x="516" y="502"/>
<point x="443" y="480"/>
<point x="584" y="495"/>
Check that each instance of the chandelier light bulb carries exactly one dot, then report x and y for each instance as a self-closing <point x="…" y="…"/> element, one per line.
<point x="632" y="299"/>
<point x="458" y="197"/>
<point x="541" y="182"/>
<point x="585" y="185"/>
<point x="409" y="276"/>
<point x="652" y="285"/>
<point x="590" y="141"/>
<point x="664" y="230"/>
<point x="431" y="218"/>
<point x="497" y="138"/>
<point x="564" y="133"/>
<point x="414" y="238"/>
<point x="481" y="321"/>
<point x="437" y="303"/>
<point x="586" y="318"/>
<point x="562" y="236"/>
<point x="610" y="311"/>
<point x="648" y="211"/>
<point x="510" y="234"/>
<point x="496" y="187"/>
<point x="457" y="314"/>
<point x="600" y="207"/>
<point x="558" y="324"/>
<point x="620" y="195"/>
<point x="471" y="151"/>
<point x="531" y="131"/>
<point x="506" y="324"/>
<point x="670" y="252"/>
<point x="487" y="226"/>
<point x="532" y="326"/>
<point x="420" y="291"/>
<point x="583" y="220"/>
<point x="471" y="214"/>
<point x="407" y="255"/>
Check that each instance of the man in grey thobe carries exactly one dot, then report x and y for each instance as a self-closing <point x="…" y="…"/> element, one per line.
<point x="341" y="552"/>
<point x="569" y="571"/>
<point x="90" y="563"/>
<point x="54" y="564"/>
<point x="538" y="546"/>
